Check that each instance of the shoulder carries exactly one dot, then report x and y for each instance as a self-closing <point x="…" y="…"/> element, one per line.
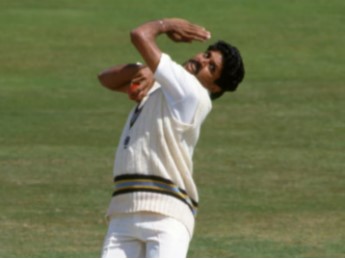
<point x="170" y="73"/>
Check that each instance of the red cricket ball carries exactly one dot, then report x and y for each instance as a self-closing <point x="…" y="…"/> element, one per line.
<point x="133" y="88"/>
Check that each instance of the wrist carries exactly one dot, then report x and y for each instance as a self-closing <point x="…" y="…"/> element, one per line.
<point x="162" y="25"/>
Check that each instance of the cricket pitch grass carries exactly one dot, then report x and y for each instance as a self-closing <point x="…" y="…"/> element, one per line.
<point x="270" y="163"/>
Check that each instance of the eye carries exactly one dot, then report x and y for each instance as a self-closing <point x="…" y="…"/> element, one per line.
<point x="212" y="67"/>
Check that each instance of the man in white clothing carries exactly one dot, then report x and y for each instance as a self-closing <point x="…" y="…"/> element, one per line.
<point x="155" y="200"/>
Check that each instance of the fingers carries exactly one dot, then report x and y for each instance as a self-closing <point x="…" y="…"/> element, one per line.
<point x="184" y="31"/>
<point x="134" y="91"/>
<point x="200" y="33"/>
<point x="140" y="84"/>
<point x="137" y="85"/>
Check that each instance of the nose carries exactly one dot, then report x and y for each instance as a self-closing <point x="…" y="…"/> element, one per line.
<point x="203" y="61"/>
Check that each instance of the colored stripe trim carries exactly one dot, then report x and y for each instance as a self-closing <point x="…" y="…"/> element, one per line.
<point x="128" y="183"/>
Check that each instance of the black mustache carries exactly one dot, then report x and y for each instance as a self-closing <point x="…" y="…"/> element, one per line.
<point x="196" y="64"/>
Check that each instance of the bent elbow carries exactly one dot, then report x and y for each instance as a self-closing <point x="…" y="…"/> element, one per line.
<point x="101" y="79"/>
<point x="136" y="37"/>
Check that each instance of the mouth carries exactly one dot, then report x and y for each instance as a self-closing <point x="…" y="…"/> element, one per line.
<point x="193" y="66"/>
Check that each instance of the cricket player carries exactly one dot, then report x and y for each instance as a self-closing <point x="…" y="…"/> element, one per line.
<point x="155" y="201"/>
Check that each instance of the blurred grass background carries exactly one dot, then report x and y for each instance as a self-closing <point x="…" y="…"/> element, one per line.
<point x="270" y="161"/>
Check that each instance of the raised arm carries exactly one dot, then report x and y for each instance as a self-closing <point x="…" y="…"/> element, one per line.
<point x="179" y="30"/>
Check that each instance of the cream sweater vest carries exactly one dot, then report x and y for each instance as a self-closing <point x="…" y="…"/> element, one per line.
<point x="153" y="163"/>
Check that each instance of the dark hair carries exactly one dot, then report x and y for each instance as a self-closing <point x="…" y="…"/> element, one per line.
<point x="233" y="69"/>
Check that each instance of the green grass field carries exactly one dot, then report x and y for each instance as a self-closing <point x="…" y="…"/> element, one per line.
<point x="270" y="163"/>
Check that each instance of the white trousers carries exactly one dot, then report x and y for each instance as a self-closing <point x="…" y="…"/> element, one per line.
<point x="145" y="234"/>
